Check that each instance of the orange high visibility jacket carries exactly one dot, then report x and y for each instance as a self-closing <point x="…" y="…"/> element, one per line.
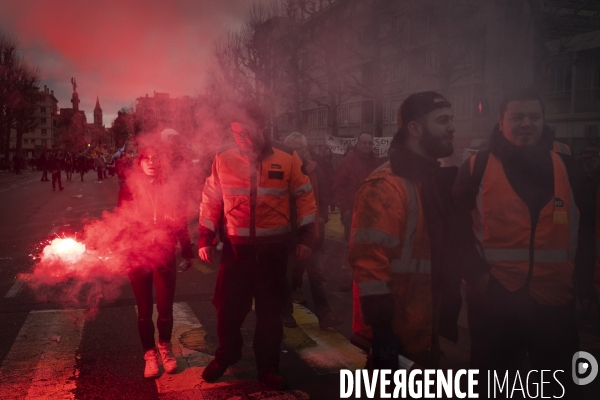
<point x="253" y="198"/>
<point x="390" y="254"/>
<point x="502" y="225"/>
<point x="559" y="147"/>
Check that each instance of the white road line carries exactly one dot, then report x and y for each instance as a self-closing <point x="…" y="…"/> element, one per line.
<point x="187" y="330"/>
<point x="69" y="209"/>
<point x="328" y="351"/>
<point x="15" y="288"/>
<point x="53" y="231"/>
<point x="41" y="361"/>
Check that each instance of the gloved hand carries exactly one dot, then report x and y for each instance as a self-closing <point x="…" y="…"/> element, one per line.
<point x="385" y="348"/>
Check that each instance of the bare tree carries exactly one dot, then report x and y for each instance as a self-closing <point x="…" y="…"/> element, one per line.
<point x="24" y="101"/>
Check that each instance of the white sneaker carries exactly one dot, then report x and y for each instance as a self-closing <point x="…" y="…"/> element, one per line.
<point x="151" y="369"/>
<point x="168" y="359"/>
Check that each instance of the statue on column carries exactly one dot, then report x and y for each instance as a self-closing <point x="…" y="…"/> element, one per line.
<point x="74" y="83"/>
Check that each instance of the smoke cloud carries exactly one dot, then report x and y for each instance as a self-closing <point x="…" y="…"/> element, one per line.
<point x="120" y="50"/>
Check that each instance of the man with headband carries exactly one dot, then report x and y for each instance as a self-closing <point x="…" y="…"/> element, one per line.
<point x="406" y="290"/>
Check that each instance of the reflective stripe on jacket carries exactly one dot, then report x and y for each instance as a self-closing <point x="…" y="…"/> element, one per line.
<point x="559" y="147"/>
<point x="390" y="254"/>
<point x="254" y="198"/>
<point x="542" y="257"/>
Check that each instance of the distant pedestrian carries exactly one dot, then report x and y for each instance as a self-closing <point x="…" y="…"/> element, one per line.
<point x="43" y="163"/>
<point x="54" y="166"/>
<point x="352" y="170"/>
<point x="82" y="166"/>
<point x="329" y="172"/>
<point x="68" y="166"/>
<point x="313" y="265"/>
<point x="99" y="164"/>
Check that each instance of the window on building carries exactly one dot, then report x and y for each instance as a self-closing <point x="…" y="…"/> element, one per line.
<point x="322" y="117"/>
<point x="322" y="87"/>
<point x="43" y="131"/>
<point x="342" y="113"/>
<point x="367" y="74"/>
<point x="461" y="54"/>
<point x="44" y="142"/>
<point x="354" y="113"/>
<point x="560" y="78"/>
<point x="32" y="141"/>
<point x="432" y="61"/>
<point x="43" y="120"/>
<point x="312" y="119"/>
<point x="367" y="112"/>
<point x="25" y="140"/>
<point x="43" y="110"/>
<point x="394" y="111"/>
<point x="386" y="113"/>
<point x="461" y="104"/>
<point x="282" y="122"/>
<point x="399" y="26"/>
<point x="399" y="71"/>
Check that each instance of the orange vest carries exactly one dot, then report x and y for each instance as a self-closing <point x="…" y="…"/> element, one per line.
<point x="390" y="254"/>
<point x="254" y="198"/>
<point x="502" y="225"/>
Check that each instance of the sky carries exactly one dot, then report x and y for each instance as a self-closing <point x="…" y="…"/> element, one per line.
<point x="119" y="50"/>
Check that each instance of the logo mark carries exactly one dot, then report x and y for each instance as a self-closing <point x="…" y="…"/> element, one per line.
<point x="276" y="166"/>
<point x="583" y="364"/>
<point x="558" y="202"/>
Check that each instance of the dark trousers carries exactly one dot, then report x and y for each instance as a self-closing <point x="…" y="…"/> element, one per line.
<point x="164" y="278"/>
<point x="313" y="265"/>
<point x="56" y="176"/>
<point x="99" y="170"/>
<point x="248" y="272"/>
<point x="45" y="174"/>
<point x="505" y="326"/>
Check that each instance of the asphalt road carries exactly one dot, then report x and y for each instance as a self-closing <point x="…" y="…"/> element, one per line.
<point x="53" y="350"/>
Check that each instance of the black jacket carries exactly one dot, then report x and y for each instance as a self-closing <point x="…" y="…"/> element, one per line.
<point x="531" y="175"/>
<point x="435" y="185"/>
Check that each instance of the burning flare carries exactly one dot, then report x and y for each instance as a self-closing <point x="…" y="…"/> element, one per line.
<point x="67" y="250"/>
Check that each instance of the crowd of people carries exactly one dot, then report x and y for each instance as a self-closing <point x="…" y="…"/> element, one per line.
<point x="517" y="224"/>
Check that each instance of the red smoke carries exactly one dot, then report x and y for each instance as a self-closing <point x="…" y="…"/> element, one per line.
<point x="120" y="50"/>
<point x="125" y="238"/>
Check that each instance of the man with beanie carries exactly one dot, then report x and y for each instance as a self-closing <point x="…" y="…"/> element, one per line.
<point x="523" y="208"/>
<point x="407" y="291"/>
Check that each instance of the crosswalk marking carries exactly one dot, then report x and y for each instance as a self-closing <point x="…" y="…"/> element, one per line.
<point x="330" y="351"/>
<point x="191" y="361"/>
<point x="200" y="266"/>
<point x="15" y="288"/>
<point x="41" y="361"/>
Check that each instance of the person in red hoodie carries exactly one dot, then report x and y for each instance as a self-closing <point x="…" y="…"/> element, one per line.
<point x="350" y="174"/>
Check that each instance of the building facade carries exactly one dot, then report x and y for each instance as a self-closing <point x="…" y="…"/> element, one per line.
<point x="345" y="68"/>
<point x="45" y="134"/>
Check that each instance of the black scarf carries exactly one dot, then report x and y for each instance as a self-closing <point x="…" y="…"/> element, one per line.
<point x="435" y="185"/>
<point x="528" y="169"/>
